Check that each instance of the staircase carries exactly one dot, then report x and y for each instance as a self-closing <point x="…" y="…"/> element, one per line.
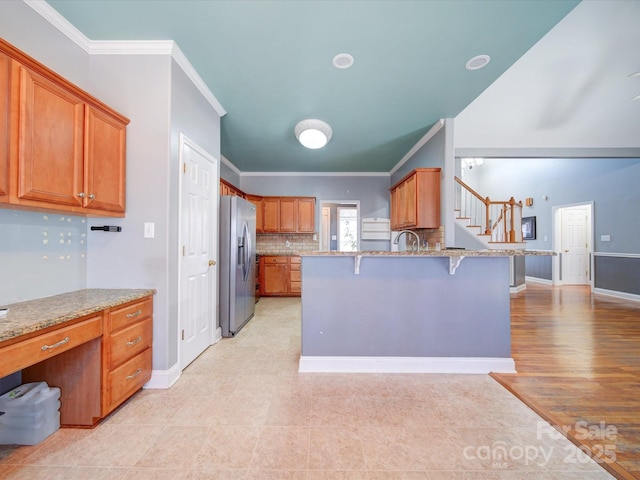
<point x="496" y="224"/>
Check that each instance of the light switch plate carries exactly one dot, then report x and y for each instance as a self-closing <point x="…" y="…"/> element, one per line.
<point x="605" y="238"/>
<point x="149" y="230"/>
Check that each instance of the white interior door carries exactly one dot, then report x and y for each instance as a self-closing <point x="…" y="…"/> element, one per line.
<point x="325" y="229"/>
<point x="575" y="244"/>
<point x="198" y="234"/>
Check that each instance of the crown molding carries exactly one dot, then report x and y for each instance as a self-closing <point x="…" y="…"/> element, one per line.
<point x="126" y="47"/>
<point x="427" y="136"/>
<point x="226" y="161"/>
<point x="51" y="15"/>
<point x="315" y="174"/>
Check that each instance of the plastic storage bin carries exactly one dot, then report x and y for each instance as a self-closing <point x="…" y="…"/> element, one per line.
<point x="31" y="414"/>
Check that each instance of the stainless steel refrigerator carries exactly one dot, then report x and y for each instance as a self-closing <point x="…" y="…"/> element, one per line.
<point x="237" y="263"/>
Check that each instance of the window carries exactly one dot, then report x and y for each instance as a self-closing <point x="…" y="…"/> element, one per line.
<point x="347" y="229"/>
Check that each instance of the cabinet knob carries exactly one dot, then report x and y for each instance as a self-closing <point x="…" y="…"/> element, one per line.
<point x="81" y="195"/>
<point x="212" y="263"/>
<point x="92" y="196"/>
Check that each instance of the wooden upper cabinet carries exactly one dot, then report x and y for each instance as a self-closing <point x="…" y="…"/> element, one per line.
<point x="415" y="200"/>
<point x="50" y="158"/>
<point x="306" y="215"/>
<point x="271" y="214"/>
<point x="5" y="116"/>
<point x="105" y="162"/>
<point x="288" y="215"/>
<point x="257" y="201"/>
<point x="66" y="149"/>
<point x="227" y="189"/>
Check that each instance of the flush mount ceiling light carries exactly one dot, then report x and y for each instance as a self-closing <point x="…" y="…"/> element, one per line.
<point x="342" y="61"/>
<point x="478" y="62"/>
<point x="313" y="133"/>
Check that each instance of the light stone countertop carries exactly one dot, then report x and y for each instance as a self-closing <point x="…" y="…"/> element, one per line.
<point x="34" y="315"/>
<point x="431" y="253"/>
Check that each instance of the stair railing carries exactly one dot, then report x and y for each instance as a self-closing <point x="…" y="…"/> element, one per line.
<point x="501" y="220"/>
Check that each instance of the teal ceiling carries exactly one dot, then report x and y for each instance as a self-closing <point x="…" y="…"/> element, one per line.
<point x="269" y="63"/>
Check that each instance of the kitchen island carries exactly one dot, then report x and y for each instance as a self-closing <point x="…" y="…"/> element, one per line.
<point x="429" y="311"/>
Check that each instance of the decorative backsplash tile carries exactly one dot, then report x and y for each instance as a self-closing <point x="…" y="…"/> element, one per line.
<point x="282" y="244"/>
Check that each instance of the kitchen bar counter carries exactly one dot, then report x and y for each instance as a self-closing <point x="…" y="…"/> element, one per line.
<point x="455" y="255"/>
<point x="24" y="318"/>
<point x="442" y="311"/>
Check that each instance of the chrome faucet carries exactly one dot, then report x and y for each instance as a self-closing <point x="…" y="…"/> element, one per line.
<point x="396" y="241"/>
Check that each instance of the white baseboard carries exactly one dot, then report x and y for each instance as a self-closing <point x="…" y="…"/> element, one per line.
<point x="478" y="365"/>
<point x="163" y="379"/>
<point x="544" y="281"/>
<point x="518" y="289"/>
<point x="613" y="293"/>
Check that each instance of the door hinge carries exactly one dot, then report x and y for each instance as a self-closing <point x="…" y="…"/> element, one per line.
<point x="184" y="167"/>
<point x="184" y="250"/>
<point x="182" y="334"/>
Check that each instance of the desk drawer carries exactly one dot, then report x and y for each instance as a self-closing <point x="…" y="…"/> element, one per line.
<point x="129" y="314"/>
<point x="36" y="349"/>
<point x="127" y="378"/>
<point x="129" y="342"/>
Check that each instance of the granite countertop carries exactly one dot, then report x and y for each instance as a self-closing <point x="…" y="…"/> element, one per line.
<point x="431" y="253"/>
<point x="33" y="315"/>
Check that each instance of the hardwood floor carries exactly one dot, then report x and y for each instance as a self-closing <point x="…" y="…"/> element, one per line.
<point x="578" y="360"/>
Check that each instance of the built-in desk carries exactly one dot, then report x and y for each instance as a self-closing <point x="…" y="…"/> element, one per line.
<point x="94" y="344"/>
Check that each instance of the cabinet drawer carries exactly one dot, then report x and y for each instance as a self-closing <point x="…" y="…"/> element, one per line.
<point x="295" y="267"/>
<point x="34" y="350"/>
<point x="128" y="377"/>
<point x="296" y="287"/>
<point x="295" y="260"/>
<point x="276" y="259"/>
<point x="295" y="276"/>
<point x="129" y="342"/>
<point x="130" y="314"/>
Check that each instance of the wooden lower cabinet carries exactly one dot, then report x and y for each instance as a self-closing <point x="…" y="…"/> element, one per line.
<point x="98" y="362"/>
<point x="127" y="352"/>
<point x="280" y="276"/>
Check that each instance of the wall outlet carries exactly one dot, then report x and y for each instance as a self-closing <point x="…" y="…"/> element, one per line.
<point x="605" y="238"/>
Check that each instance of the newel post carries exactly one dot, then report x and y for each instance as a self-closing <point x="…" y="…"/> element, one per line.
<point x="512" y="232"/>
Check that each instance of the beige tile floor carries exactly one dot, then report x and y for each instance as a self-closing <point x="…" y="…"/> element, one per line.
<point x="241" y="411"/>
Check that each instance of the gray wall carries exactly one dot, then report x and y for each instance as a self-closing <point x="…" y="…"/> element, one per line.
<point x="161" y="102"/>
<point x="610" y="183"/>
<point x="372" y="192"/>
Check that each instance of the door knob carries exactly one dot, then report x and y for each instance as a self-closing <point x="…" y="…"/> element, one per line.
<point x="212" y="263"/>
<point x="566" y="251"/>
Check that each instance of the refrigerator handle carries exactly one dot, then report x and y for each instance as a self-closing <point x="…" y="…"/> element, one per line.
<point x="246" y="242"/>
<point x="248" y="250"/>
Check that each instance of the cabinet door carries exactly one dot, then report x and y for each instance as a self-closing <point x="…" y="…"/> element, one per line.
<point x="306" y="215"/>
<point x="288" y="214"/>
<point x="50" y="142"/>
<point x="275" y="278"/>
<point x="105" y="162"/>
<point x="393" y="208"/>
<point x="428" y="195"/>
<point x="271" y="214"/>
<point x="5" y="110"/>
<point x="410" y="200"/>
<point x="257" y="201"/>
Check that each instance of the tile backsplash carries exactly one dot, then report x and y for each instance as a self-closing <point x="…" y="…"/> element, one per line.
<point x="281" y="244"/>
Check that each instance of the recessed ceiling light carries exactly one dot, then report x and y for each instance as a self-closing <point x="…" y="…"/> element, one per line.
<point x="313" y="133"/>
<point x="478" y="62"/>
<point x="342" y="61"/>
